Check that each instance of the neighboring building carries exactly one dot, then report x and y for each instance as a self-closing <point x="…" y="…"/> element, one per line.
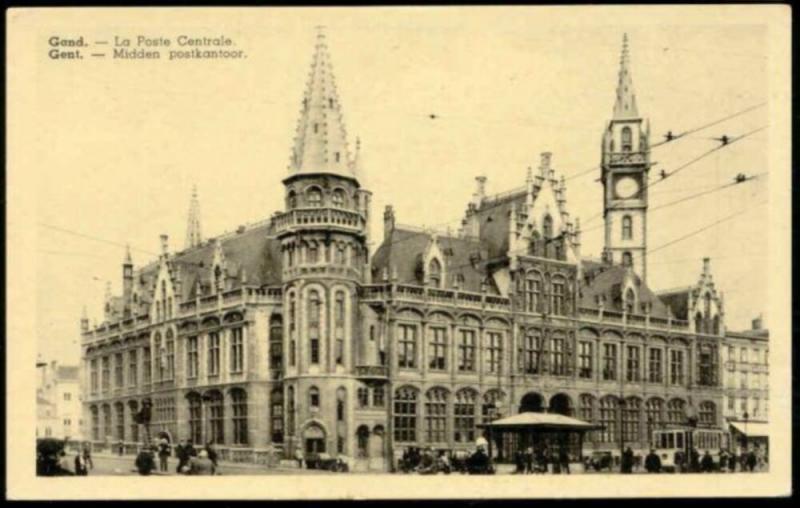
<point x="745" y="375"/>
<point x="58" y="401"/>
<point x="287" y="333"/>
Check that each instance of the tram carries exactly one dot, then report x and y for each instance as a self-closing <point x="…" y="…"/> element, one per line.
<point x="668" y="442"/>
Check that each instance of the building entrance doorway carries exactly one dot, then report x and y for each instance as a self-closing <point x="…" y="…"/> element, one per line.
<point x="315" y="445"/>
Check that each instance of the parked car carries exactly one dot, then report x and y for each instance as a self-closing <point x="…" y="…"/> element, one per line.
<point x="326" y="462"/>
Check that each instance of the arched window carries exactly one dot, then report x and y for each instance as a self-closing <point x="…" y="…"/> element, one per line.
<point x="341" y="394"/>
<point x="676" y="412"/>
<point x="313" y="397"/>
<point x="557" y="296"/>
<point x="630" y="419"/>
<point x="275" y="342"/>
<point x="133" y="407"/>
<point x="216" y="417"/>
<point x="627" y="227"/>
<point x="436" y="415"/>
<point x="276" y="415"/>
<point x="698" y="323"/>
<point x="491" y="400"/>
<point x="362" y="436"/>
<point x="239" y="419"/>
<point x="608" y="419"/>
<point x="195" y="417"/>
<point x="435" y="273"/>
<point x="290" y="411"/>
<point x="715" y="325"/>
<point x="405" y="415"/>
<point x="159" y="357"/>
<point x="547" y="227"/>
<point x="119" y="410"/>
<point x="627" y="139"/>
<point x="586" y="407"/>
<point x="464" y="416"/>
<point x="291" y="200"/>
<point x="314" y="197"/>
<point x="338" y="198"/>
<point x="630" y="301"/>
<point x="338" y="321"/>
<point x="707" y="413"/>
<point x="314" y="316"/>
<point x="654" y="411"/>
<point x="312" y="253"/>
<point x="170" y="355"/>
<point x="627" y="259"/>
<point x="95" y="423"/>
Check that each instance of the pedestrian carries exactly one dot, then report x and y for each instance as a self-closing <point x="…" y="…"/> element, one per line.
<point x="87" y="454"/>
<point x="626" y="462"/>
<point x="181" y="453"/>
<point x="563" y="459"/>
<point x="519" y="460"/>
<point x="163" y="454"/>
<point x="723" y="461"/>
<point x="707" y="463"/>
<point x="652" y="463"/>
<point x="528" y="460"/>
<point x="751" y="461"/>
<point x="732" y="459"/>
<point x="298" y="455"/>
<point x="191" y="451"/>
<point x="201" y="465"/>
<point x="694" y="460"/>
<point x="80" y="465"/>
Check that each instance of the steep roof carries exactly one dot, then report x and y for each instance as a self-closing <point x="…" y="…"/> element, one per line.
<point x="678" y="301"/>
<point x="607" y="280"/>
<point x="494" y="217"/>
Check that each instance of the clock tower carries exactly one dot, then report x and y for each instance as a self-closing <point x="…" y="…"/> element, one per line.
<point x="625" y="164"/>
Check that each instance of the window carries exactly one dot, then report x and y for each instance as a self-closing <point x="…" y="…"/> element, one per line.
<point x="314" y="197"/>
<point x="531" y="352"/>
<point x="627" y="259"/>
<point x="339" y="256"/>
<point x="627" y="227"/>
<point x="558" y="365"/>
<point x="491" y="400"/>
<point x="292" y="199"/>
<point x="170" y="356"/>
<point x="339" y="313"/>
<point x="239" y="408"/>
<point x="743" y="355"/>
<point x="743" y="405"/>
<point x="292" y="329"/>
<point x="106" y="373"/>
<point x="312" y="254"/>
<point x="378" y="396"/>
<point x="216" y="417"/>
<point x="290" y="410"/>
<point x="675" y="367"/>
<point x="558" y="296"/>
<point x="632" y="373"/>
<point x="237" y="349"/>
<point x="314" y="316"/>
<point x="654" y="410"/>
<point x="192" y="358"/>
<point x="276" y="415"/>
<point x="107" y="420"/>
<point x="707" y="414"/>
<point x="585" y="360"/>
<point x="494" y="352"/>
<point x="654" y="368"/>
<point x="363" y="396"/>
<point x="407" y="346"/>
<point x="464" y="417"/>
<point x="630" y="419"/>
<point x="707" y="365"/>
<point x="436" y="415"/>
<point x="609" y="362"/>
<point x="608" y="419"/>
<point x="630" y="301"/>
<point x="133" y="407"/>
<point x="586" y="407"/>
<point x="118" y="371"/>
<point x="533" y="293"/>
<point x="275" y="342"/>
<point x="362" y="438"/>
<point x="676" y="412"/>
<point x="547" y="228"/>
<point x="435" y="273"/>
<point x="743" y="379"/>
<point x="405" y="415"/>
<point x="195" y="417"/>
<point x="731" y="354"/>
<point x="338" y="198"/>
<point x="95" y="423"/>
<point x="147" y="365"/>
<point x="466" y="350"/>
<point x="437" y="348"/>
<point x="93" y="369"/>
<point x="133" y="368"/>
<point x="213" y="354"/>
<point x="756" y="407"/>
<point x="313" y="397"/>
<point x="340" y="396"/>
<point x="627" y="139"/>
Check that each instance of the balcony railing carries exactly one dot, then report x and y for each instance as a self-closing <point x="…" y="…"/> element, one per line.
<point x="373" y="371"/>
<point x="328" y="217"/>
<point x="436" y="296"/>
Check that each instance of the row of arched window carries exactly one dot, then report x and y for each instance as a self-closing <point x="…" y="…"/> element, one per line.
<point x="545" y="294"/>
<point x="316" y="321"/>
<point x="314" y="252"/>
<point x="314" y="197"/>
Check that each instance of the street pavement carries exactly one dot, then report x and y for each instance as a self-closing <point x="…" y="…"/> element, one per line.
<point x="116" y="465"/>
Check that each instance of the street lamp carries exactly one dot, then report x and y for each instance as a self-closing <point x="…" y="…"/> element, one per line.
<point x="621" y="431"/>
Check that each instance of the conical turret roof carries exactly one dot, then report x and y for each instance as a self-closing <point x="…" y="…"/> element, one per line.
<point x="625" y="104"/>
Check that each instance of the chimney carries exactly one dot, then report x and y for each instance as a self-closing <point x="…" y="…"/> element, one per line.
<point x="127" y="280"/>
<point x="757" y="323"/>
<point x="706" y="266"/>
<point x="164" y="244"/>
<point x="388" y="222"/>
<point x="480" y="190"/>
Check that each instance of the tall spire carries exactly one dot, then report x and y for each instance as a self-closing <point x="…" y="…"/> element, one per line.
<point x="625" y="105"/>
<point x="320" y="145"/>
<point x="128" y="259"/>
<point x="193" y="235"/>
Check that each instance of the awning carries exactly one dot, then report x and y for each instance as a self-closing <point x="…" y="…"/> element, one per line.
<point x="752" y="429"/>
<point x="541" y="421"/>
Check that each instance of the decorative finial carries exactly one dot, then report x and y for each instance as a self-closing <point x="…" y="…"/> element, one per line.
<point x="128" y="259"/>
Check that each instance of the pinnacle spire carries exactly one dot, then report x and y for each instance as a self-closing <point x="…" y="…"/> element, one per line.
<point x="320" y="145"/>
<point x="128" y="259"/>
<point x="625" y="104"/>
<point x="193" y="234"/>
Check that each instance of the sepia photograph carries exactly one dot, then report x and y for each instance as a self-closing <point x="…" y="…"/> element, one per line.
<point x="418" y="244"/>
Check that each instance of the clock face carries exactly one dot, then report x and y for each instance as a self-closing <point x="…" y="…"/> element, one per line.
<point x="626" y="187"/>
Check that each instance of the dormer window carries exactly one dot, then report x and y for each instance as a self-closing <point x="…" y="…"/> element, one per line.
<point x="291" y="199"/>
<point x="630" y="301"/>
<point x="547" y="227"/>
<point x="338" y="198"/>
<point x="314" y="197"/>
<point x="627" y="259"/>
<point x="435" y="273"/>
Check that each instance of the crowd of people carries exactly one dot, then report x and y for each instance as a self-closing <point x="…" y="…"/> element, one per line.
<point x="427" y="461"/>
<point x="747" y="461"/>
<point x="541" y="460"/>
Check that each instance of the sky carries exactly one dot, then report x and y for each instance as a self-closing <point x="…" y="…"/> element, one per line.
<point x="123" y="142"/>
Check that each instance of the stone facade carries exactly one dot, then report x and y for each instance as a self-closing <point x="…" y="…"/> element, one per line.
<point x="746" y="374"/>
<point x="290" y="335"/>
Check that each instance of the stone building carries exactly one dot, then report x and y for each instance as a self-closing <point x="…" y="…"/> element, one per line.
<point x="291" y="334"/>
<point x="58" y="401"/>
<point x="745" y="375"/>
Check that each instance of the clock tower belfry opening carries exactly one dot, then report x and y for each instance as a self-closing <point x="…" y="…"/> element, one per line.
<point x="625" y="165"/>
